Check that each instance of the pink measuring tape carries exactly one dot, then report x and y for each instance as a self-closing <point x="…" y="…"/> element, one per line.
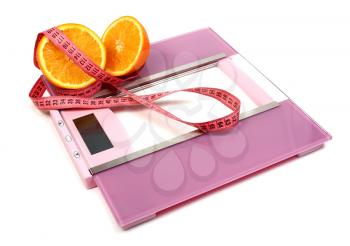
<point x="81" y="98"/>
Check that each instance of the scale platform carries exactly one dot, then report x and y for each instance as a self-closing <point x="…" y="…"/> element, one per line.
<point x="144" y="162"/>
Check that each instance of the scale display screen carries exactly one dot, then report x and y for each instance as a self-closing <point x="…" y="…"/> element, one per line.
<point x="92" y="133"/>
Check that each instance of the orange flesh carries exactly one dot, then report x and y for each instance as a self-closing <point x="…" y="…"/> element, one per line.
<point x="127" y="46"/>
<point x="59" y="69"/>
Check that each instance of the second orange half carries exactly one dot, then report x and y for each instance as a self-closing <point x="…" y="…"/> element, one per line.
<point x="127" y="46"/>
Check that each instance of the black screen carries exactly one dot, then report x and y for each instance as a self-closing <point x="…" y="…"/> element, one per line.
<point x="92" y="133"/>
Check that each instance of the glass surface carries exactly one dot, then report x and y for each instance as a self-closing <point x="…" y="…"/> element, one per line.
<point x="143" y="187"/>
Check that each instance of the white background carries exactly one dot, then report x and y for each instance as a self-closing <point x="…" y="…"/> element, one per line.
<point x="303" y="46"/>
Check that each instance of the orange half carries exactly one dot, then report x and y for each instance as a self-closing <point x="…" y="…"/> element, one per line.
<point x="127" y="46"/>
<point x="59" y="69"/>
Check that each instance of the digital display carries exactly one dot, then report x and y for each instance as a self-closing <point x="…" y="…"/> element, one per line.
<point x="92" y="133"/>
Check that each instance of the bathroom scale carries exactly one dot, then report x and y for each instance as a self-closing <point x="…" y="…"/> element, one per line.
<point x="145" y="163"/>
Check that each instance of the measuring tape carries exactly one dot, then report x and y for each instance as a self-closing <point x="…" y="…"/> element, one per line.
<point x="81" y="98"/>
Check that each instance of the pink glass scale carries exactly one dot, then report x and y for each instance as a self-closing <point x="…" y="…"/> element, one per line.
<point x="141" y="188"/>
